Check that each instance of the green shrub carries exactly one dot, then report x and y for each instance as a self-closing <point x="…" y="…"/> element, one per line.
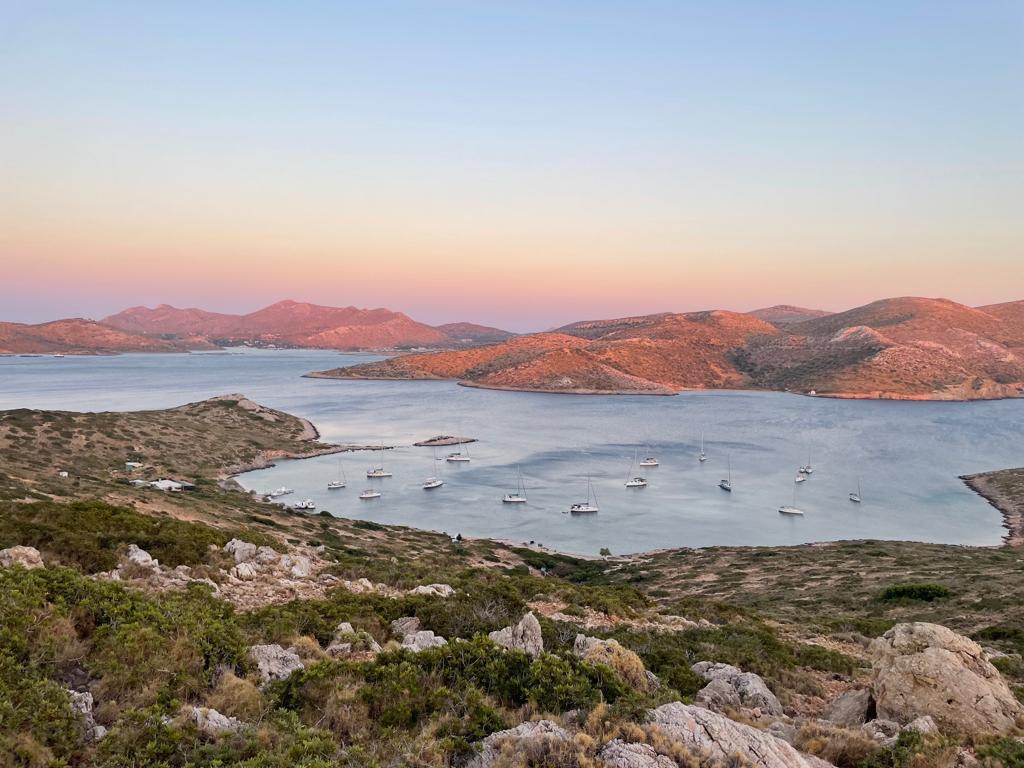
<point x="922" y="592"/>
<point x="90" y="533"/>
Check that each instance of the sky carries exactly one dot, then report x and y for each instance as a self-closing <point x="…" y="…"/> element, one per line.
<point x="521" y="164"/>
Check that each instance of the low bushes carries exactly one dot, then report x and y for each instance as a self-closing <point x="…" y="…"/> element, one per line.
<point x="918" y="592"/>
<point x="88" y="534"/>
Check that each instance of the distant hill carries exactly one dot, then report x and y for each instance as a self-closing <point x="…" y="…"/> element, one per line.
<point x="78" y="336"/>
<point x="784" y="314"/>
<point x="657" y="354"/>
<point x="908" y="348"/>
<point x="298" y="324"/>
<point x="904" y="348"/>
<point x="471" y="332"/>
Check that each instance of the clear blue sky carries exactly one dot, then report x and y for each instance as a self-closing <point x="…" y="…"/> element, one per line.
<point x="519" y="163"/>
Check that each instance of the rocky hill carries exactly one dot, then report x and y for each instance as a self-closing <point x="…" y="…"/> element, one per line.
<point x="78" y="336"/>
<point x="657" y="354"/>
<point x="785" y="314"/>
<point x="299" y="324"/>
<point x="905" y="348"/>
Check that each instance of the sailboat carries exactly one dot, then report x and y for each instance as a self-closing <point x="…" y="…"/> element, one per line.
<point x="518" y="496"/>
<point x="807" y="469"/>
<point x="856" y="498"/>
<point x="432" y="482"/>
<point x="635" y="481"/>
<point x="458" y="456"/>
<point x="800" y="478"/>
<point x="334" y="485"/>
<point x="703" y="456"/>
<point x="791" y="509"/>
<point x="588" y="505"/>
<point x="377" y="471"/>
<point x="726" y="485"/>
<point x="648" y="460"/>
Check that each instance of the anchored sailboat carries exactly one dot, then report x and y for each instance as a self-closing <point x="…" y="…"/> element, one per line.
<point x="588" y="505"/>
<point x="518" y="496"/>
<point x="703" y="456"/>
<point x="635" y="481"/>
<point x="433" y="482"/>
<point x="334" y="485"/>
<point x="726" y="485"/>
<point x="791" y="509"/>
<point x="378" y="471"/>
<point x="856" y="498"/>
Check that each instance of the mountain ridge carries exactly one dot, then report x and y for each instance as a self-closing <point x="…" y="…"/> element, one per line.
<point x="899" y="348"/>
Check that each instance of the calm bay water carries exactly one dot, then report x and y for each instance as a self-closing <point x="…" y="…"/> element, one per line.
<point x="908" y="456"/>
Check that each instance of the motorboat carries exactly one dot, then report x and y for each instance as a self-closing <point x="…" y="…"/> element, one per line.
<point x="432" y="482"/>
<point x="370" y="493"/>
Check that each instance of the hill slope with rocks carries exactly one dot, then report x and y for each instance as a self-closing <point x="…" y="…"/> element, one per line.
<point x="905" y="348"/>
<point x="210" y="627"/>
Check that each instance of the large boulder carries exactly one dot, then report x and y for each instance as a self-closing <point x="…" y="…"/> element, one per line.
<point x="433" y="590"/>
<point x="274" y="662"/>
<point x="620" y="754"/>
<point x="716" y="736"/>
<point x="851" y="709"/>
<point x="719" y="696"/>
<point x="212" y="722"/>
<point x="926" y="669"/>
<point x="140" y="557"/>
<point x="242" y="551"/>
<point x="26" y="557"/>
<point x="751" y="689"/>
<point x="524" y="636"/>
<point x="420" y="641"/>
<point x="533" y="735"/>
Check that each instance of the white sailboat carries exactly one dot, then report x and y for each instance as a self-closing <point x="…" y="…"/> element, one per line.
<point x="432" y="482"/>
<point x="703" y="456"/>
<point x="334" y="485"/>
<point x="635" y="481"/>
<point x="800" y="478"/>
<point x="518" y="496"/>
<point x="378" y="471"/>
<point x="458" y="456"/>
<point x="856" y="498"/>
<point x="277" y="492"/>
<point x="807" y="469"/>
<point x="726" y="485"/>
<point x="648" y="460"/>
<point x="590" y="505"/>
<point x="791" y="509"/>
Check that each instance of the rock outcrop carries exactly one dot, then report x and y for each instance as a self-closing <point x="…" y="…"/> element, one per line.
<point x="517" y="739"/>
<point x="621" y="754"/>
<point x="82" y="704"/>
<point x="750" y="688"/>
<point x="406" y="625"/>
<point x="140" y="557"/>
<point x="274" y="662"/>
<point x="717" y="736"/>
<point x="433" y="590"/>
<point x="347" y="641"/>
<point x="420" y="641"/>
<point x="26" y="557"/>
<point x="212" y="722"/>
<point x="851" y="709"/>
<point x="926" y="669"/>
<point x="525" y="636"/>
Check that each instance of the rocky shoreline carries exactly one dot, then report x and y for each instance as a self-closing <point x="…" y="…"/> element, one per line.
<point x="1003" y="490"/>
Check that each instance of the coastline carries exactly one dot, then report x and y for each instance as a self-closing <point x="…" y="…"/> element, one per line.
<point x="936" y="397"/>
<point x="993" y="487"/>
